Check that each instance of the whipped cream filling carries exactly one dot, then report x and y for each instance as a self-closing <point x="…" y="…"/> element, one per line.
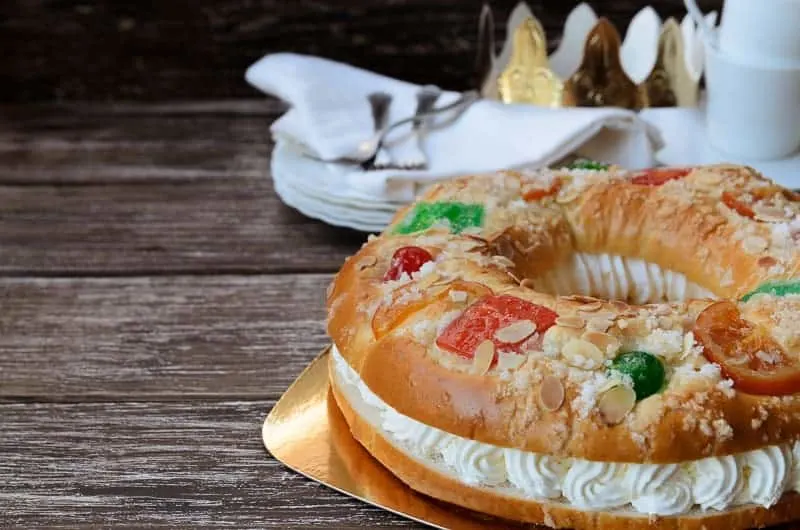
<point x="757" y="477"/>
<point x="615" y="277"/>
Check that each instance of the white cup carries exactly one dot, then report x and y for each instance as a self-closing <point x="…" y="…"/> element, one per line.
<point x="753" y="110"/>
<point x="761" y="30"/>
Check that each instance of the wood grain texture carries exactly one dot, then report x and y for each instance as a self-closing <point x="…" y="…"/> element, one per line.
<point x="158" y="338"/>
<point x="188" y="464"/>
<point x="199" y="227"/>
<point x="101" y="50"/>
<point x="101" y="142"/>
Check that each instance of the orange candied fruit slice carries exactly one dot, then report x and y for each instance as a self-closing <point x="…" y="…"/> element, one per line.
<point x="657" y="176"/>
<point x="746" y="353"/>
<point x="535" y="194"/>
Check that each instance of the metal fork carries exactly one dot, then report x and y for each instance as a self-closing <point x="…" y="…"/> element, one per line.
<point x="407" y="152"/>
<point x="367" y="149"/>
<point x="379" y="102"/>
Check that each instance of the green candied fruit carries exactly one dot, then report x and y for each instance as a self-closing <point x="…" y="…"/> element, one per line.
<point x="644" y="369"/>
<point x="456" y="215"/>
<point x="776" y="288"/>
<point x="585" y="163"/>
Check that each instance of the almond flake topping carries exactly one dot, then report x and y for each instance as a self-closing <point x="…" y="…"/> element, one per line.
<point x="600" y="324"/>
<point x="616" y="403"/>
<point x="367" y="262"/>
<point x="509" y="361"/>
<point x="516" y="332"/>
<point x="605" y="342"/>
<point x="591" y="306"/>
<point x="770" y="214"/>
<point x="457" y="296"/>
<point x="484" y="355"/>
<point x="582" y="354"/>
<point x="571" y="322"/>
<point x="551" y="393"/>
<point x="754" y="244"/>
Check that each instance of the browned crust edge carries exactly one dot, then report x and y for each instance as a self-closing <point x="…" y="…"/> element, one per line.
<point x="430" y="482"/>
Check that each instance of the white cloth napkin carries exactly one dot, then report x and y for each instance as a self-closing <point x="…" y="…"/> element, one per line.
<point x="330" y="116"/>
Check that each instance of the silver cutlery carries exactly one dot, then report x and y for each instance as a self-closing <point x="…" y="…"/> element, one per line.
<point x="379" y="103"/>
<point x="411" y="154"/>
<point x="367" y="149"/>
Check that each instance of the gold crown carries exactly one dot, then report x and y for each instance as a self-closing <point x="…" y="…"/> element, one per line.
<point x="662" y="67"/>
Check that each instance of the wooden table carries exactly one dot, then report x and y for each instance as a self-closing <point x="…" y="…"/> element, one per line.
<point x="157" y="299"/>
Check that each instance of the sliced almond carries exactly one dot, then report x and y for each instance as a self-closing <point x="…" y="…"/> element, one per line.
<point x="608" y="344"/>
<point x="510" y="361"/>
<point x="599" y="324"/>
<point x="591" y="306"/>
<point x="616" y="403"/>
<point x="767" y="262"/>
<point x="582" y="354"/>
<point x="429" y="280"/>
<point x="665" y="323"/>
<point x="367" y="262"/>
<point x="707" y="177"/>
<point x="580" y="298"/>
<point x="770" y="214"/>
<point x="528" y="283"/>
<point x="514" y="277"/>
<point x="621" y="306"/>
<point x="568" y="195"/>
<point x="754" y="244"/>
<point x="662" y="310"/>
<point x="457" y="296"/>
<point x="571" y="322"/>
<point x="551" y="393"/>
<point x="502" y="261"/>
<point x="516" y="332"/>
<point x="622" y="323"/>
<point x="484" y="355"/>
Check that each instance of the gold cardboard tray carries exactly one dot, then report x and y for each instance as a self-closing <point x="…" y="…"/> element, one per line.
<point x="307" y="433"/>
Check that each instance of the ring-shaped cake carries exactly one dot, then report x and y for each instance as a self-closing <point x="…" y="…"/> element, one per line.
<point x="585" y="348"/>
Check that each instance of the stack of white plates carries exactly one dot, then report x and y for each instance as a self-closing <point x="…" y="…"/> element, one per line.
<point x="304" y="184"/>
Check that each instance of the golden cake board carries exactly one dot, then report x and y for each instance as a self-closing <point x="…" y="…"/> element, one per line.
<point x="308" y="434"/>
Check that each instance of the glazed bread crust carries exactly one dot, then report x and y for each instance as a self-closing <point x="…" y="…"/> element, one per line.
<point x="387" y="330"/>
<point x="430" y="481"/>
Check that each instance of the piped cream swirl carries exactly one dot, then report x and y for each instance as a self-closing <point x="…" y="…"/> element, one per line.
<point x="717" y="482"/>
<point x="475" y="463"/>
<point x="539" y="476"/>
<point x="660" y="489"/>
<point x="595" y="485"/>
<point x="758" y="477"/>
<point x="769" y="471"/>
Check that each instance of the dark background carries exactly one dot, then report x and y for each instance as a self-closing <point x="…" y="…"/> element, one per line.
<point x="199" y="49"/>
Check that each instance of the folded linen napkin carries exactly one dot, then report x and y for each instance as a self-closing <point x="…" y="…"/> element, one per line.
<point x="330" y="116"/>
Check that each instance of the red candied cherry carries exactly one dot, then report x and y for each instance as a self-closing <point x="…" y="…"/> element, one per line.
<point x="407" y="260"/>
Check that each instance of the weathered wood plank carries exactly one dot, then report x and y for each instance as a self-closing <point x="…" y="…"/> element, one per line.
<point x="204" y="226"/>
<point x="164" y="338"/>
<point x="99" y="50"/>
<point x="190" y="464"/>
<point x="122" y="143"/>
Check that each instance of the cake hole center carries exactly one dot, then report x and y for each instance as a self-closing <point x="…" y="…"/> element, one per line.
<point x="614" y="277"/>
